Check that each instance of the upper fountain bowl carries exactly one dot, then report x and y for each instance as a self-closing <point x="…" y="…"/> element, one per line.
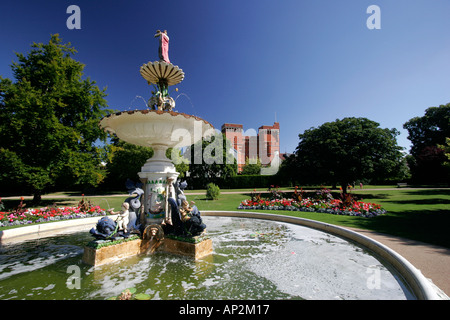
<point x="156" y="71"/>
<point x="157" y="128"/>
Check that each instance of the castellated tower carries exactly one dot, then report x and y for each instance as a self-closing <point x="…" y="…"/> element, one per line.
<point x="234" y="133"/>
<point x="265" y="145"/>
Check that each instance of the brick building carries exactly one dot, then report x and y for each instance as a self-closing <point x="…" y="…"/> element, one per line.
<point x="264" y="145"/>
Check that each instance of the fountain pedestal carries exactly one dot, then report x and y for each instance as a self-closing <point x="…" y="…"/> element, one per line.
<point x="107" y="254"/>
<point x="158" y="176"/>
<point x="160" y="130"/>
<point x="193" y="250"/>
<point x="162" y="207"/>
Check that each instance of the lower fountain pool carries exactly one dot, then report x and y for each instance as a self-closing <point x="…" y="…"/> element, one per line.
<point x="252" y="259"/>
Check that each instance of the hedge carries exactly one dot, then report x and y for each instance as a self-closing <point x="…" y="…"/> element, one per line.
<point x="248" y="181"/>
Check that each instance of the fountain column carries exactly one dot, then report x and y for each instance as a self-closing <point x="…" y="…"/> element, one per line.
<point x="158" y="176"/>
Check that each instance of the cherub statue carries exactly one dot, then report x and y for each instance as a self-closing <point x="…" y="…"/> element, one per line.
<point x="123" y="218"/>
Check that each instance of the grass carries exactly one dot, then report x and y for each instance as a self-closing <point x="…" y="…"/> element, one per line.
<point x="422" y="214"/>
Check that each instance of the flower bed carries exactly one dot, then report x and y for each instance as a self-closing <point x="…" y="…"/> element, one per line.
<point x="30" y="216"/>
<point x="332" y="206"/>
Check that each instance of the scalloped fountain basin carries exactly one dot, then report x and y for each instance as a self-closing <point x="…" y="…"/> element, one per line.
<point x="252" y="259"/>
<point x="152" y="127"/>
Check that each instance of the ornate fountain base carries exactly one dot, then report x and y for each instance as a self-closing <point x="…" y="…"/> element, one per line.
<point x="194" y="250"/>
<point x="99" y="256"/>
<point x="111" y="253"/>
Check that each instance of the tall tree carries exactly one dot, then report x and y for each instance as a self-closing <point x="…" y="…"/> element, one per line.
<point x="345" y="151"/>
<point x="427" y="134"/>
<point x="49" y="121"/>
<point x="253" y="167"/>
<point x="446" y="149"/>
<point x="125" y="160"/>
<point x="210" y="160"/>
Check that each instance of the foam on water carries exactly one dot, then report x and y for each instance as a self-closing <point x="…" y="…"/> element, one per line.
<point x="316" y="265"/>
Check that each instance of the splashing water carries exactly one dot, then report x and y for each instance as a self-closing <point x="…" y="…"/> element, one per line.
<point x="146" y="104"/>
<point x="109" y="207"/>
<point x="134" y="99"/>
<point x="184" y="94"/>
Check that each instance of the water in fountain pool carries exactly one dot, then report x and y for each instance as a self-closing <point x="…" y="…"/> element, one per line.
<point x="252" y="259"/>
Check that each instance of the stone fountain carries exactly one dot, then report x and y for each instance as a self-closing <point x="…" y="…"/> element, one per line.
<point x="163" y="209"/>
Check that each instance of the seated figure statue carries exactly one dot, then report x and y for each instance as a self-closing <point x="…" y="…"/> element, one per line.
<point x="195" y="223"/>
<point x="186" y="220"/>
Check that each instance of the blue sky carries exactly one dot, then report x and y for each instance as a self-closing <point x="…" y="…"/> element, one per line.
<point x="249" y="61"/>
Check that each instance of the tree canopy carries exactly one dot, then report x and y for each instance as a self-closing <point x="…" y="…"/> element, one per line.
<point x="346" y="151"/>
<point x="427" y="134"/>
<point x="210" y="160"/>
<point x="49" y="121"/>
<point x="251" y="167"/>
<point x="125" y="161"/>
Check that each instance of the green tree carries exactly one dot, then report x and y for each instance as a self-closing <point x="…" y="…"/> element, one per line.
<point x="124" y="162"/>
<point x="251" y="168"/>
<point x="446" y="149"/>
<point x="49" y="118"/>
<point x="210" y="160"/>
<point x="181" y="163"/>
<point x="426" y="134"/>
<point x="345" y="151"/>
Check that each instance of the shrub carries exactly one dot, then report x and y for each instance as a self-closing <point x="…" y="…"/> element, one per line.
<point x="275" y="192"/>
<point x="212" y="191"/>
<point x="323" y="194"/>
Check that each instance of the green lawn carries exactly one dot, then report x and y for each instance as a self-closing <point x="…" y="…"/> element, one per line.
<point x="415" y="214"/>
<point x="422" y="215"/>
